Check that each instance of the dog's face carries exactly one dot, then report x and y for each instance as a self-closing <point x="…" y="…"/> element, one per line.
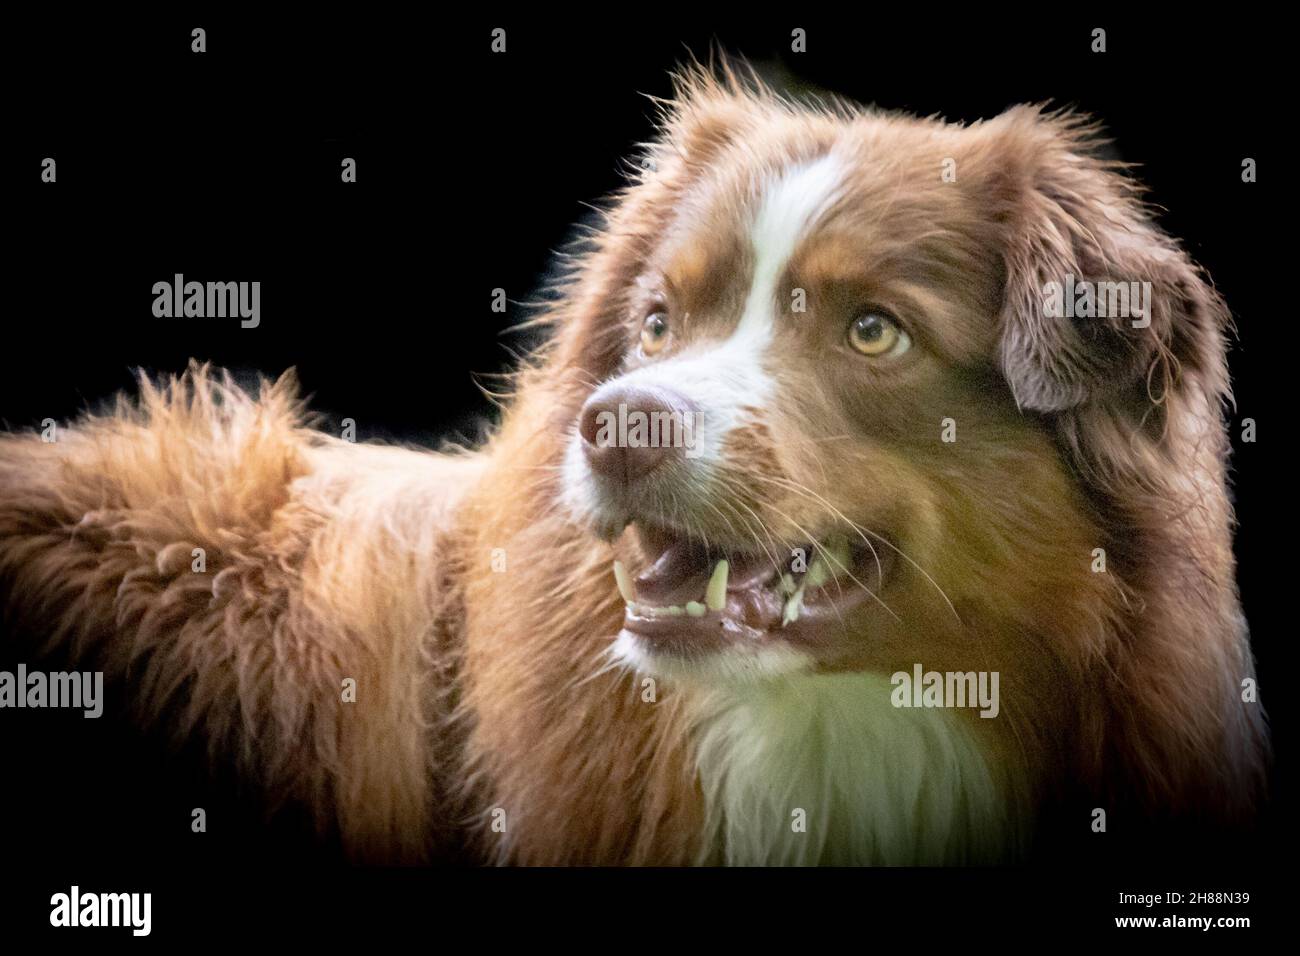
<point x="824" y="397"/>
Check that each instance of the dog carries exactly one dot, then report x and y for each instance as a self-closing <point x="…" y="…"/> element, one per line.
<point x="847" y="515"/>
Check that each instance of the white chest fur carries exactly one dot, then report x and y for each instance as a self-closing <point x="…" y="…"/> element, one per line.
<point x="825" y="770"/>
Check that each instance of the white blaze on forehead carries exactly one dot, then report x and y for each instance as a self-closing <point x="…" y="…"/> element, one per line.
<point x="727" y="381"/>
<point x="790" y="207"/>
<point x="730" y="374"/>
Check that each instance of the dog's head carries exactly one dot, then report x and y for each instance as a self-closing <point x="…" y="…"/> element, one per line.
<point x="857" y="380"/>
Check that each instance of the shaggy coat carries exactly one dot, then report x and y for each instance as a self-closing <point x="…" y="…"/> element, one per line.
<point x="230" y="567"/>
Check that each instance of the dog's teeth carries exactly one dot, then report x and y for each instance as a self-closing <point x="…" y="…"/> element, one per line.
<point x="786" y="587"/>
<point x="838" y="554"/>
<point x="792" y="607"/>
<point x="695" y="609"/>
<point x="715" y="595"/>
<point x="818" y="574"/>
<point x="657" y="610"/>
<point x="625" y="585"/>
<point x="830" y="563"/>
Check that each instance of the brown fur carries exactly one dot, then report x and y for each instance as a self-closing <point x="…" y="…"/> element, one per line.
<point x="480" y="690"/>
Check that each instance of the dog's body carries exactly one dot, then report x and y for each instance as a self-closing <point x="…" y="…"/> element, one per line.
<point x="506" y="700"/>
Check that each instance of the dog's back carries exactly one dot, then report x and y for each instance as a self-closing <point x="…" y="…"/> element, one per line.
<point x="254" y="581"/>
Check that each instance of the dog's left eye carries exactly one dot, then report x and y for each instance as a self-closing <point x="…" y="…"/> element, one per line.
<point x="876" y="334"/>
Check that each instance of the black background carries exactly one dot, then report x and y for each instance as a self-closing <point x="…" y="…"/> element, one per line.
<point x="473" y="169"/>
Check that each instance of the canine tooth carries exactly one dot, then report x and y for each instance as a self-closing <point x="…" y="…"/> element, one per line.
<point x="695" y="609"/>
<point x="792" y="607"/>
<point x="625" y="585"/>
<point x="715" y="595"/>
<point x="786" y="586"/>
<point x="839" y="550"/>
<point x="818" y="574"/>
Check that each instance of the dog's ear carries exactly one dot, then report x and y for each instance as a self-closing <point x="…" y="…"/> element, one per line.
<point x="711" y="108"/>
<point x="1070" y="221"/>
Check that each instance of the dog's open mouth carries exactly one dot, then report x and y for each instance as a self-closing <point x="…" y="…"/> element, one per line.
<point x="693" y="598"/>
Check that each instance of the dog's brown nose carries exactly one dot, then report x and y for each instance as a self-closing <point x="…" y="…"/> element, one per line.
<point x="629" y="431"/>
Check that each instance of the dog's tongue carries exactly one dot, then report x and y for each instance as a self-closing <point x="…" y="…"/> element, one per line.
<point x="678" y="575"/>
<point x="681" y="571"/>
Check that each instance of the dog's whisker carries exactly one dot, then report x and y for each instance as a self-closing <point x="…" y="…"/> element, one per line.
<point x="863" y="532"/>
<point x="731" y="501"/>
<point x="821" y="550"/>
<point x="799" y="488"/>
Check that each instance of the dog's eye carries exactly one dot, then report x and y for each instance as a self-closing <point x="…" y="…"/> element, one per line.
<point x="654" y="332"/>
<point x="876" y="334"/>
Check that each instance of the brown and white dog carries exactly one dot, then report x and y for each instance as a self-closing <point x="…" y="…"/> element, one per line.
<point x="896" y="459"/>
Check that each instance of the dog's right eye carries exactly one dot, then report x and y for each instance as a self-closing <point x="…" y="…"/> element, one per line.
<point x="654" y="332"/>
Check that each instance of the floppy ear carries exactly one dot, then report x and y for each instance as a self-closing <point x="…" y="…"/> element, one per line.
<point x="1072" y="219"/>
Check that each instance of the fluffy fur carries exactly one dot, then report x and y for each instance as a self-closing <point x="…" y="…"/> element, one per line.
<point x="490" y="715"/>
<point x="824" y="770"/>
